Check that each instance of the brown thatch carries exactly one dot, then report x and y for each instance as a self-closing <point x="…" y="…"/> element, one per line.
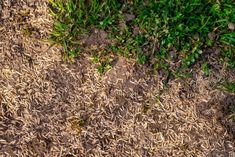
<point x="52" y="108"/>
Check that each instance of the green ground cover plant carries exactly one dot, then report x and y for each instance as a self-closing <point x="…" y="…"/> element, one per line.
<point x="228" y="86"/>
<point x="169" y="35"/>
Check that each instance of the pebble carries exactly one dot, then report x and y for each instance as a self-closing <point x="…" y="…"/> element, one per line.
<point x="231" y="26"/>
<point x="212" y="35"/>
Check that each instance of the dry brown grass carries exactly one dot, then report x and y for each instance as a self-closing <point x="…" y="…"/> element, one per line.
<point x="51" y="108"/>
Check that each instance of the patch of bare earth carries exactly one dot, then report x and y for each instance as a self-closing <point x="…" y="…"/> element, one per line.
<point x="51" y="108"/>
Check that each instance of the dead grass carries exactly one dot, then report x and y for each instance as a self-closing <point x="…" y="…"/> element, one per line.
<point x="52" y="108"/>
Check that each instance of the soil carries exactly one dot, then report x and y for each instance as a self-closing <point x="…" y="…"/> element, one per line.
<point x="49" y="107"/>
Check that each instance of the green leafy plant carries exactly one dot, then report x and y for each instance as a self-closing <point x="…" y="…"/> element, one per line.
<point x="170" y="35"/>
<point x="205" y="69"/>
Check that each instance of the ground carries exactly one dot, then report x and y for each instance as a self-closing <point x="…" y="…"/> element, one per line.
<point x="49" y="107"/>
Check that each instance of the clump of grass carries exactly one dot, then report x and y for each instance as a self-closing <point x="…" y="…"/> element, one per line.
<point x="77" y="124"/>
<point x="169" y="35"/>
<point x="228" y="86"/>
<point x="205" y="69"/>
<point x="76" y="17"/>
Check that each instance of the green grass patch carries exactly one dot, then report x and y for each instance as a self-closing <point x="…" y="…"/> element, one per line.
<point x="228" y="86"/>
<point x="170" y="35"/>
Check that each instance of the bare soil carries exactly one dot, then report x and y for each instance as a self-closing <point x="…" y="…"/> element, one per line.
<point x="49" y="107"/>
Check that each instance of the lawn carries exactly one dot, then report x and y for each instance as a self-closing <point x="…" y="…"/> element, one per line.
<point x="165" y="35"/>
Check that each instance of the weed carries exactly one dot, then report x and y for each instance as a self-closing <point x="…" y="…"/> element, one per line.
<point x="77" y="124"/>
<point x="228" y="86"/>
<point x="26" y="31"/>
<point x="102" y="67"/>
<point x="205" y="69"/>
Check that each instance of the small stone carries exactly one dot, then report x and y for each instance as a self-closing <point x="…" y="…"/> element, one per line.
<point x="212" y="35"/>
<point x="231" y="26"/>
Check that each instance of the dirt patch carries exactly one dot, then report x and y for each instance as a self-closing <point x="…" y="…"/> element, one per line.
<point x="52" y="108"/>
<point x="223" y="109"/>
<point x="228" y="109"/>
<point x="96" y="37"/>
